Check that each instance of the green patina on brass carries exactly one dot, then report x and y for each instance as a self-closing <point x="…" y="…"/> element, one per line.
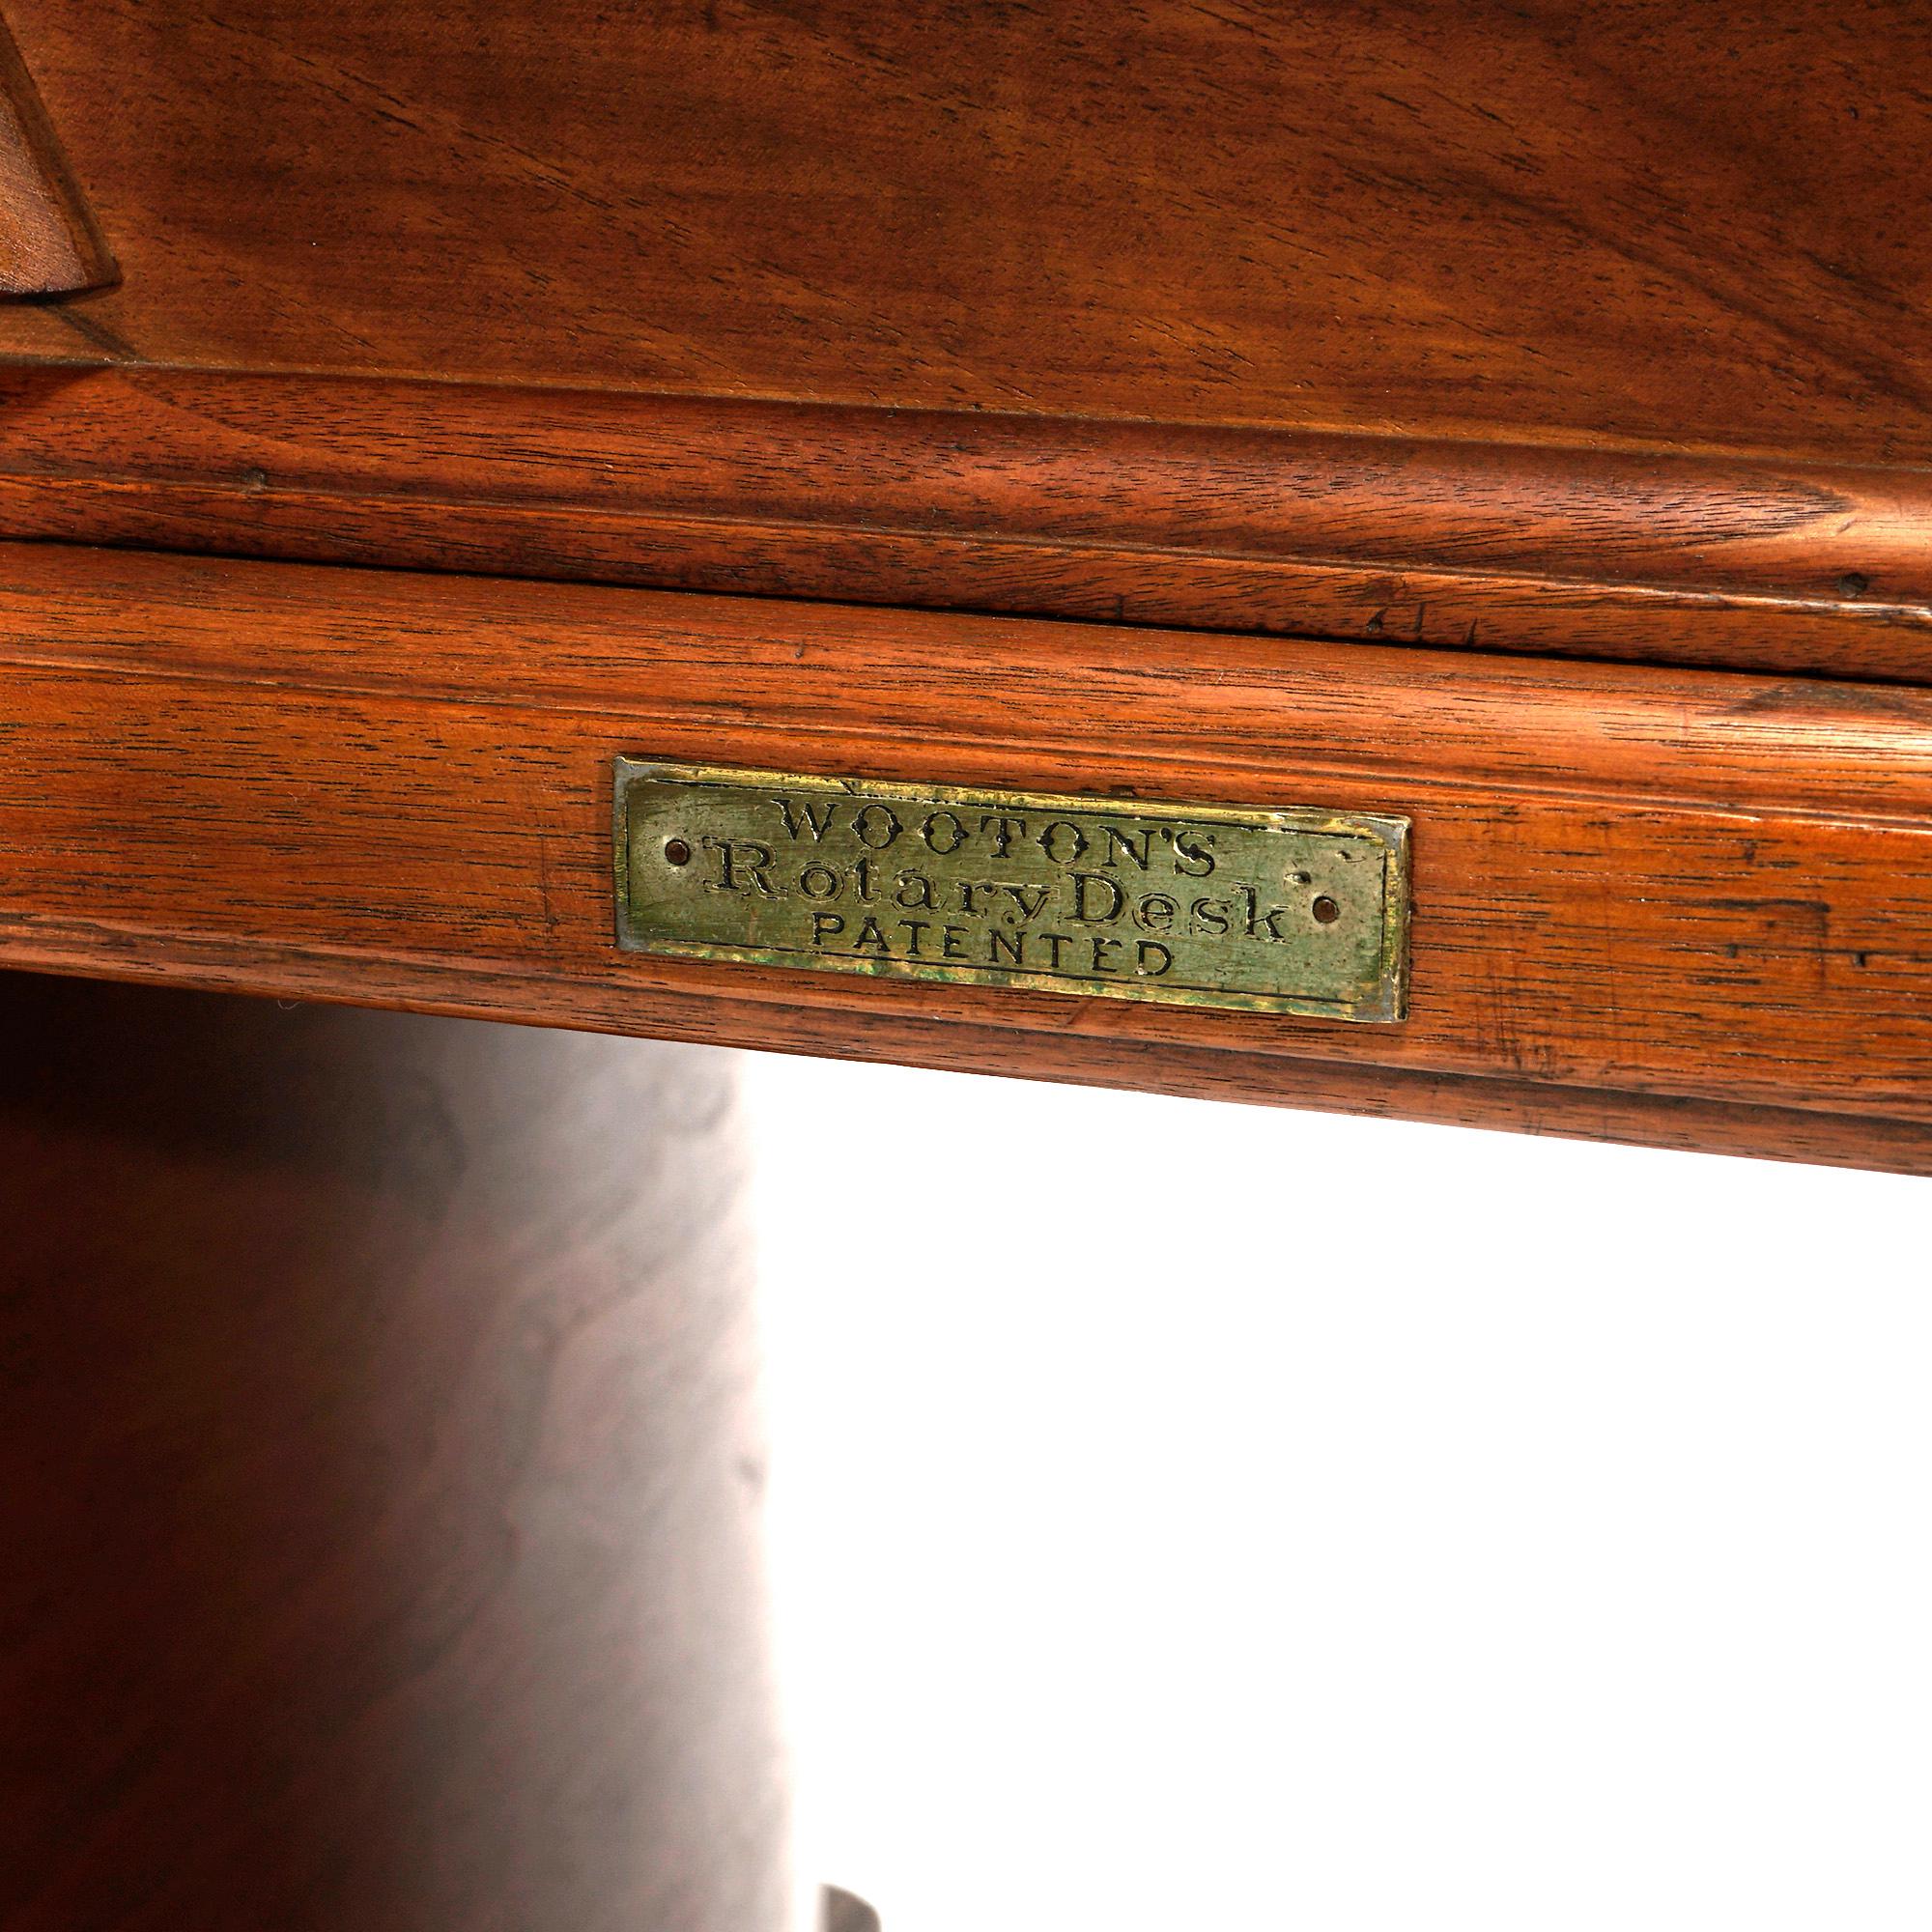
<point x="1270" y="911"/>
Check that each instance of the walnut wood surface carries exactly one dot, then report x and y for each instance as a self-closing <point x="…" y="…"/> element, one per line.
<point x="48" y="243"/>
<point x="1687" y="889"/>
<point x="1599" y="328"/>
<point x="1624" y="220"/>
<point x="378" y="1478"/>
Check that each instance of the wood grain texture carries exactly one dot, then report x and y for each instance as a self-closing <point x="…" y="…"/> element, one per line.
<point x="1622" y="219"/>
<point x="49" y="240"/>
<point x="378" y="1478"/>
<point x="1751" y="565"/>
<point x="1687" y="889"/>
<point x="1592" y="328"/>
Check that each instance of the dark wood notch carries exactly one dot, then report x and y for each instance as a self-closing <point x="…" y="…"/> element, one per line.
<point x="48" y="243"/>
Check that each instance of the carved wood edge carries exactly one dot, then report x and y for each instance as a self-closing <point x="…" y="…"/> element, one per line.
<point x="50" y="245"/>
<point x="1742" y="561"/>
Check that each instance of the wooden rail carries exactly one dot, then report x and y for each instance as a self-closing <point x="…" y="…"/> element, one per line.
<point x="1678" y="906"/>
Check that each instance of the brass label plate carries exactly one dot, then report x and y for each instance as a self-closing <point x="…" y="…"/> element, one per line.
<point x="1271" y="911"/>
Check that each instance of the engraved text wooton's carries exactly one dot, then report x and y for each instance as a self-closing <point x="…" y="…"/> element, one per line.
<point x="1285" y="911"/>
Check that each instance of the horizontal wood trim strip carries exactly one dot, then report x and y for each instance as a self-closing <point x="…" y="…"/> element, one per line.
<point x="1746" y="563"/>
<point x="1707" y="887"/>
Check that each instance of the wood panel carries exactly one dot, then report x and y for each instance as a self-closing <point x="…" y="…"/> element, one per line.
<point x="1686" y="889"/>
<point x="1621" y="219"/>
<point x="380" y="1478"/>
<point x="1596" y="329"/>
<point x="1749" y="563"/>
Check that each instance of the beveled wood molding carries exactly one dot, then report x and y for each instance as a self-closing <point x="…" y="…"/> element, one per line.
<point x="1750" y="563"/>
<point x="48" y="243"/>
<point x="1676" y="906"/>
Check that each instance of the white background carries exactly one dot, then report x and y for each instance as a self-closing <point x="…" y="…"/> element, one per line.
<point x="1199" y="1516"/>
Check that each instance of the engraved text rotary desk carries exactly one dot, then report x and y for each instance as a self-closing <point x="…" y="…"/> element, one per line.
<point x="1377" y="559"/>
